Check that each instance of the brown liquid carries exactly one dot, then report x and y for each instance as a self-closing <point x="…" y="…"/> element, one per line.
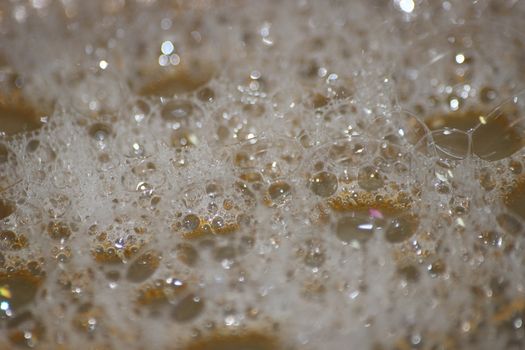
<point x="493" y="138"/>
<point x="181" y="80"/>
<point x="17" y="115"/>
<point x="18" y="289"/>
<point x="246" y="341"/>
<point x="6" y="209"/>
<point x="515" y="200"/>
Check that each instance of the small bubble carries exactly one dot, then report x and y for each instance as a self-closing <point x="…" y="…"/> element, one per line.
<point x="187" y="254"/>
<point x="515" y="167"/>
<point x="188" y="309"/>
<point x="143" y="267"/>
<point x="498" y="136"/>
<point x="254" y="110"/>
<point x="517" y="323"/>
<point x="323" y="184"/>
<point x="486" y="180"/>
<point x="137" y="150"/>
<point x="515" y="200"/>
<point x="104" y="158"/>
<point x="491" y="238"/>
<point x="206" y="94"/>
<point x="409" y="272"/>
<point x="460" y="205"/>
<point x="315" y="254"/>
<point x="6" y="209"/>
<point x="406" y="6"/>
<point x="86" y="318"/>
<point x="183" y="137"/>
<point x="279" y="191"/>
<point x="487" y="94"/>
<point x="369" y="178"/>
<point x="177" y="111"/>
<point x="58" y="230"/>
<point x="100" y="132"/>
<point x="454" y="103"/>
<point x="191" y="222"/>
<point x="401" y="229"/>
<point x="460" y="58"/>
<point x="358" y="228"/>
<point x="106" y="255"/>
<point x="63" y="257"/>
<point x="140" y="110"/>
<point x="17" y="289"/>
<point x="217" y="223"/>
<point x="32" y="146"/>
<point x="167" y="47"/>
<point x="509" y="224"/>
<point x="224" y="253"/>
<point x="213" y="190"/>
<point x="7" y="236"/>
<point x="10" y="240"/>
<point x="25" y="330"/>
<point x="145" y="189"/>
<point x="438" y="267"/>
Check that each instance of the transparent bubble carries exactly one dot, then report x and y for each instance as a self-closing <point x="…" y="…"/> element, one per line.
<point x="401" y="229"/>
<point x="177" y="112"/>
<point x="6" y="209"/>
<point x="191" y="222"/>
<point x="100" y="132"/>
<point x="206" y="94"/>
<point x="357" y="228"/>
<point x="143" y="267"/>
<point x="409" y="272"/>
<point x="17" y="290"/>
<point x="188" y="309"/>
<point x="451" y="144"/>
<point x="315" y="254"/>
<point x="187" y="254"/>
<point x="487" y="94"/>
<point x="501" y="134"/>
<point x="515" y="200"/>
<point x="272" y="158"/>
<point x="323" y="184"/>
<point x="509" y="223"/>
<point x="58" y="230"/>
<point x="279" y="191"/>
<point x="370" y="178"/>
<point x="217" y="223"/>
<point x="144" y="177"/>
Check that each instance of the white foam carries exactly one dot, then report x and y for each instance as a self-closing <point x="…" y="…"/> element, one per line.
<point x="272" y="62"/>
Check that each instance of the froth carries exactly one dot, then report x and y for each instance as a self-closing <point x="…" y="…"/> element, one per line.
<point x="261" y="175"/>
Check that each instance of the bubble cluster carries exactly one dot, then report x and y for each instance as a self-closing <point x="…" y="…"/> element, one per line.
<point x="262" y="174"/>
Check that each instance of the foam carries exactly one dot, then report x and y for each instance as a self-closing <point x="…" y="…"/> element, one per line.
<point x="296" y="88"/>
